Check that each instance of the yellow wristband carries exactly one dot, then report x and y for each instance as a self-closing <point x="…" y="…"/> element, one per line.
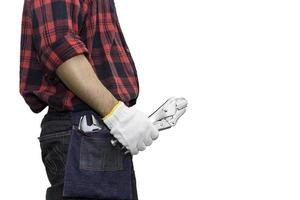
<point x="112" y="110"/>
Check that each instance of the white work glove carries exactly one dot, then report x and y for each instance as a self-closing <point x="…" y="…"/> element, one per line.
<point x="131" y="127"/>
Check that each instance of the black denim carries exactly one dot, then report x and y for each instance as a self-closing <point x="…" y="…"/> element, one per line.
<point x="82" y="166"/>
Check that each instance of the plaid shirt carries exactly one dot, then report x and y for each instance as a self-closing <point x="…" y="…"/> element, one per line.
<point x="55" y="30"/>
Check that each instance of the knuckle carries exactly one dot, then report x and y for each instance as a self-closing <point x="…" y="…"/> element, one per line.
<point x="142" y="148"/>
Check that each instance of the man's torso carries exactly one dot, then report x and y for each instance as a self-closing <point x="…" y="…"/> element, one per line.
<point x="99" y="29"/>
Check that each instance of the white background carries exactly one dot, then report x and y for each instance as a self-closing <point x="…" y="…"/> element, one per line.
<point x="237" y="63"/>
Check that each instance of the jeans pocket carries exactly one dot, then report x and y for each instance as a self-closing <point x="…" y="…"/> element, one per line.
<point x="98" y="154"/>
<point x="54" y="148"/>
<point x="54" y="128"/>
<point x="95" y="169"/>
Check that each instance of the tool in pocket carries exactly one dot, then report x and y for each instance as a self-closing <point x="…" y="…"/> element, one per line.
<point x="88" y="129"/>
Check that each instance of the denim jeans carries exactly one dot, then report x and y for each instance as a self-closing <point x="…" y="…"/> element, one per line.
<point x="80" y="166"/>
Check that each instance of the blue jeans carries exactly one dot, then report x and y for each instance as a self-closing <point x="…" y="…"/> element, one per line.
<point x="80" y="166"/>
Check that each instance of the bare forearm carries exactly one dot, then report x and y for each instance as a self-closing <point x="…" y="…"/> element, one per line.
<point x="79" y="76"/>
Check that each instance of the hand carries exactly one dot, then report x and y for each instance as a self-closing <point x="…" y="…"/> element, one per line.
<point x="131" y="127"/>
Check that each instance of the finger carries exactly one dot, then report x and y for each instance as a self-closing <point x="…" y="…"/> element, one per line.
<point x="134" y="151"/>
<point x="148" y="141"/>
<point x="141" y="146"/>
<point x="154" y="134"/>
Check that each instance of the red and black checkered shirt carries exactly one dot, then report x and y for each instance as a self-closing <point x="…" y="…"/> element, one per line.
<point x="56" y="30"/>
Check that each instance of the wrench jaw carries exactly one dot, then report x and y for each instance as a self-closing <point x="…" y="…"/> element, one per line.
<point x="169" y="113"/>
<point x="88" y="129"/>
<point x="174" y="119"/>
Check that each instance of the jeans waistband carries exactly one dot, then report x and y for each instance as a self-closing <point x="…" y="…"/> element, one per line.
<point x="71" y="118"/>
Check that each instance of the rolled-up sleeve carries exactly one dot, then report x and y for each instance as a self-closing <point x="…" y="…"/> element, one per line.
<point x="55" y="31"/>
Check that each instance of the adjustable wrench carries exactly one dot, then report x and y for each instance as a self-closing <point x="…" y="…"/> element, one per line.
<point x="88" y="129"/>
